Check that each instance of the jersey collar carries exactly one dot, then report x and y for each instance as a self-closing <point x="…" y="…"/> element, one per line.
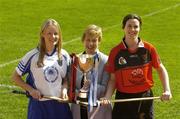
<point x="140" y="43"/>
<point x="54" y="50"/>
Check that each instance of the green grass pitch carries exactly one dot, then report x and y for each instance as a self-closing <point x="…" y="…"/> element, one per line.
<point x="20" y="21"/>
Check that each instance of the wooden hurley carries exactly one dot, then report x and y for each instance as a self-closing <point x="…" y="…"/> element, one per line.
<point x="50" y="97"/>
<point x="56" y="98"/>
<point x="64" y="101"/>
<point x="112" y="101"/>
<point x="125" y="100"/>
<point x="128" y="100"/>
<point x="134" y="99"/>
<point x="86" y="103"/>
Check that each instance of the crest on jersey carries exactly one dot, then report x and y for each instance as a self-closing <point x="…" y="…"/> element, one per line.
<point x="145" y="57"/>
<point x="51" y="74"/>
<point x="122" y="61"/>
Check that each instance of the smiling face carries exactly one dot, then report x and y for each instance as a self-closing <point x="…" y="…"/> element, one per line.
<point x="91" y="43"/>
<point x="91" y="38"/>
<point x="51" y="36"/>
<point x="132" y="28"/>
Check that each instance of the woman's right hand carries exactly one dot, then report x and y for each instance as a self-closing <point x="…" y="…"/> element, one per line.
<point x="35" y="94"/>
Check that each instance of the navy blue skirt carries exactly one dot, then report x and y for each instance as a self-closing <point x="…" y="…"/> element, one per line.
<point x="49" y="109"/>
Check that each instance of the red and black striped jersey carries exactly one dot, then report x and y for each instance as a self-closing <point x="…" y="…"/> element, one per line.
<point x="133" y="69"/>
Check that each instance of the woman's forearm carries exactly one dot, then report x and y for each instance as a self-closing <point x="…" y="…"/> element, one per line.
<point x="163" y="75"/>
<point x="19" y="82"/>
<point x="110" y="87"/>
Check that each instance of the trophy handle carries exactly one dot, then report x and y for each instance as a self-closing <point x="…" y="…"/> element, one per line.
<point x="72" y="90"/>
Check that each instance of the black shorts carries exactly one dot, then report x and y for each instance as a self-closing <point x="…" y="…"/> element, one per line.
<point x="135" y="109"/>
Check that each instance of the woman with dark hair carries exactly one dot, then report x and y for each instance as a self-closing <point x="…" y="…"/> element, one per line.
<point x="130" y="64"/>
<point x="47" y="67"/>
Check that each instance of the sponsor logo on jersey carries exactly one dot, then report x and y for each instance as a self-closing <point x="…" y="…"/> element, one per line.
<point x="137" y="77"/>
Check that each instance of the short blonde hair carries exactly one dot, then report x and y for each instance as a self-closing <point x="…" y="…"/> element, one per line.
<point x="93" y="30"/>
<point x="42" y="45"/>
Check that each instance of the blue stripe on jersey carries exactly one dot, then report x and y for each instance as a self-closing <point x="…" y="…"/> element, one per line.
<point x="67" y="63"/>
<point x="30" y="58"/>
<point x="27" y="68"/>
<point x="21" y="67"/>
<point x="30" y="80"/>
<point x="21" y="64"/>
<point x="65" y="57"/>
<point x="28" y="64"/>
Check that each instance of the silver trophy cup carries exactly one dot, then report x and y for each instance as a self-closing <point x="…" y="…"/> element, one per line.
<point x="86" y="63"/>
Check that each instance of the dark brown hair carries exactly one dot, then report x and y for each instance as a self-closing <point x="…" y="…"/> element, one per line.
<point x="131" y="16"/>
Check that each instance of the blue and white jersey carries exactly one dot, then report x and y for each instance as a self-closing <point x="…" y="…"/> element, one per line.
<point x="48" y="78"/>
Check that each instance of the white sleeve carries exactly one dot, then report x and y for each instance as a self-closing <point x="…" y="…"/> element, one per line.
<point x="24" y="65"/>
<point x="66" y="63"/>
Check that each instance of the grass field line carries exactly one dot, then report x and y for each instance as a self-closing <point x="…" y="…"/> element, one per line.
<point x="8" y="86"/>
<point x="10" y="62"/>
<point x="148" y="15"/>
<point x="104" y="29"/>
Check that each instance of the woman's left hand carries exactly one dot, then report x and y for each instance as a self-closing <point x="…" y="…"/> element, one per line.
<point x="64" y="94"/>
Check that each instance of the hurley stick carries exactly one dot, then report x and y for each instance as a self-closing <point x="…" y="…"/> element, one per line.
<point x="51" y="98"/>
<point x="134" y="99"/>
<point x="86" y="103"/>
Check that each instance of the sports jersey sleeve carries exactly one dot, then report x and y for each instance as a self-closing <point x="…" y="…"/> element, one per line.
<point x="110" y="64"/>
<point x="155" y="58"/>
<point x="24" y="65"/>
<point x="66" y="65"/>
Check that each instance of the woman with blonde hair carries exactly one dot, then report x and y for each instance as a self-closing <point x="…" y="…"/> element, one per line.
<point x="46" y="67"/>
<point x="97" y="78"/>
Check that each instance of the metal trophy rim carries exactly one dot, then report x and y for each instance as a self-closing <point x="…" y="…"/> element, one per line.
<point x="85" y="63"/>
